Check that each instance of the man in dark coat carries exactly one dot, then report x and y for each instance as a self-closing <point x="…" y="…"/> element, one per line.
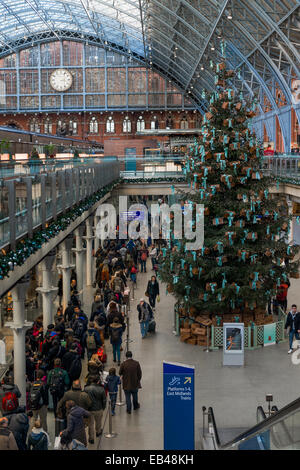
<point x="79" y="397"/>
<point x="293" y="322"/>
<point x="97" y="394"/>
<point x="131" y="374"/>
<point x="18" y="424"/>
<point x="69" y="312"/>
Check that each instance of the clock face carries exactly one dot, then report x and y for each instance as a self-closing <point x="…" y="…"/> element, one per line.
<point x="61" y="80"/>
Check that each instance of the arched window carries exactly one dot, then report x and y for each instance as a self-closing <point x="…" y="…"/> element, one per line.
<point x="184" y="123"/>
<point x="197" y="123"/>
<point x="73" y="127"/>
<point x="94" y="126"/>
<point x="110" y="125"/>
<point x="48" y="126"/>
<point x="140" y="125"/>
<point x="127" y="125"/>
<point x="154" y="123"/>
<point x="169" y="122"/>
<point x="61" y="128"/>
<point x="34" y="125"/>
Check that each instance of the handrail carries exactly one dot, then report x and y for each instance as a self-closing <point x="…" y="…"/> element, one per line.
<point x="212" y="421"/>
<point x="265" y="425"/>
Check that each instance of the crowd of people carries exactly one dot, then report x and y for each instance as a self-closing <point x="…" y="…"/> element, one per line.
<point x="54" y="368"/>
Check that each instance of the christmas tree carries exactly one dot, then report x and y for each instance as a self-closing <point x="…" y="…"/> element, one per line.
<point x="245" y="256"/>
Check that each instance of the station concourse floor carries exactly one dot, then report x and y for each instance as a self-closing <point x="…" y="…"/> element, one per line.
<point x="233" y="392"/>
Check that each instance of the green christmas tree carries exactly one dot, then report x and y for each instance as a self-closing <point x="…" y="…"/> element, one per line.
<point x="245" y="256"/>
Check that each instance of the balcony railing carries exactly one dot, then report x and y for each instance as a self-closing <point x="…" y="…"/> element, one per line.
<point x="32" y="200"/>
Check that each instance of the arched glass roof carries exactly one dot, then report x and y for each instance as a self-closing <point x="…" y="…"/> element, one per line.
<point x="178" y="38"/>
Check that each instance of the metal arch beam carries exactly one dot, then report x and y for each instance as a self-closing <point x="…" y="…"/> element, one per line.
<point x="41" y="17"/>
<point x="273" y="66"/>
<point x="221" y="11"/>
<point x="12" y="12"/>
<point x="91" y="21"/>
<point x="266" y="89"/>
<point x="143" y="30"/>
<point x="196" y="13"/>
<point x="258" y="11"/>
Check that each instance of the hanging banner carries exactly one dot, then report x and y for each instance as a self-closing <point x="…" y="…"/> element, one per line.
<point x="179" y="406"/>
<point x="269" y="334"/>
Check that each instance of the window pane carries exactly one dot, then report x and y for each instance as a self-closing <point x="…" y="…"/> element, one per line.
<point x="73" y="101"/>
<point x="95" y="101"/>
<point x="136" y="100"/>
<point x="116" y="80"/>
<point x="94" y="55"/>
<point x="29" y="57"/>
<point x="29" y="81"/>
<point x="116" y="100"/>
<point x="156" y="100"/>
<point x="8" y="83"/>
<point x="137" y="80"/>
<point x="51" y="102"/>
<point x="72" y="53"/>
<point x="50" y="53"/>
<point x="156" y="83"/>
<point x="95" y="80"/>
<point x="174" y="100"/>
<point x="29" y="102"/>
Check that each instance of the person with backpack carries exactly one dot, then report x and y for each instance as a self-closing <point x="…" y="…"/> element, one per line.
<point x="111" y="385"/>
<point x="143" y="259"/>
<point x="38" y="399"/>
<point x="7" y="439"/>
<point x="57" y="381"/>
<point x="38" y="439"/>
<point x="80" y="326"/>
<point x="115" y="333"/>
<point x="118" y="285"/>
<point x="71" y="362"/>
<point x="69" y="313"/>
<point x="97" y="395"/>
<point x="145" y="315"/>
<point x="91" y="340"/>
<point x="9" y="395"/>
<point x="56" y="351"/>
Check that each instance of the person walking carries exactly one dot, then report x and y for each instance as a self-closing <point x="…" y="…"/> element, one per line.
<point x="153" y="291"/>
<point x="57" y="381"/>
<point x="38" y="439"/>
<point x="7" y="439"/>
<point x="131" y="374"/>
<point x="143" y="259"/>
<point x="115" y="333"/>
<point x="78" y="396"/>
<point x="111" y="385"/>
<point x="145" y="315"/>
<point x="97" y="395"/>
<point x="38" y="400"/>
<point x="293" y="323"/>
<point x="153" y="255"/>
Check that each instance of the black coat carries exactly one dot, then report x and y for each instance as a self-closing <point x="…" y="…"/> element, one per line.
<point x="97" y="395"/>
<point x="153" y="289"/>
<point x="289" y="321"/>
<point x="67" y="360"/>
<point x="76" y="424"/>
<point x="18" y="424"/>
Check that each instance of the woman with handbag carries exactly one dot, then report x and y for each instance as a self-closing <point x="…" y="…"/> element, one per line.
<point x="152" y="291"/>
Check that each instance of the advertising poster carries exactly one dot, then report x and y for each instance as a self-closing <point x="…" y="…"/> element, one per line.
<point x="179" y="406"/>
<point x="233" y="339"/>
<point x="270" y="334"/>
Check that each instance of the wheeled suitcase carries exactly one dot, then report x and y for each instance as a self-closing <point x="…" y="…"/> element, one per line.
<point x="152" y="326"/>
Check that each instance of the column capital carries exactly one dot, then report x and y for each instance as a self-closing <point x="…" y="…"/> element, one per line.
<point x="78" y="250"/>
<point x="47" y="290"/>
<point x="17" y="328"/>
<point x="66" y="268"/>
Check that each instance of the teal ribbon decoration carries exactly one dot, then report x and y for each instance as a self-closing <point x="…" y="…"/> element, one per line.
<point x="164" y="250"/>
<point x="182" y="263"/>
<point x="246" y="231"/>
<point x="230" y="93"/>
<point x="194" y="254"/>
<point x="226" y="152"/>
<point x="227" y="181"/>
<point x="298" y="220"/>
<point x="184" y="171"/>
<point x="173" y="188"/>
<point x="253" y="285"/>
<point x="268" y="229"/>
<point x="253" y="258"/>
<point x="229" y="122"/>
<point x="277" y="184"/>
<point x="200" y="272"/>
<point x="218" y="157"/>
<point x="275" y="215"/>
<point x="243" y="257"/>
<point x="243" y="180"/>
<point x="235" y="145"/>
<point x="175" y="279"/>
<point x="278" y="282"/>
<point x="245" y="156"/>
<point x="204" y="182"/>
<point x="234" y="168"/>
<point x="245" y="199"/>
<point x="225" y="140"/>
<point x="248" y="215"/>
<point x="230" y="237"/>
<point x="213" y="190"/>
<point x="224" y="281"/>
<point x="201" y="192"/>
<point x="256" y="276"/>
<point x="188" y="288"/>
<point x="253" y="236"/>
<point x="219" y="261"/>
<point x="278" y="262"/>
<point x="219" y="300"/>
<point x="254" y="219"/>
<point x="272" y="272"/>
<point x="284" y="276"/>
<point x="257" y="175"/>
<point x="248" y="172"/>
<point x="232" y="303"/>
<point x="237" y="288"/>
<point x="230" y="220"/>
<point x="212" y="287"/>
<point x="288" y="250"/>
<point x="220" y="247"/>
<point x="267" y="214"/>
<point x="218" y="319"/>
<point x="217" y="220"/>
<point x="205" y="298"/>
<point x="237" y="135"/>
<point x="222" y="164"/>
<point x="171" y="266"/>
<point x="205" y="171"/>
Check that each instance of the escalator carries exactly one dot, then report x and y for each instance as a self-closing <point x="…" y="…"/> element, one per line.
<point x="280" y="431"/>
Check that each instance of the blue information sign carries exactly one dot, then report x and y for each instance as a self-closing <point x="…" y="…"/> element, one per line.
<point x="179" y="406"/>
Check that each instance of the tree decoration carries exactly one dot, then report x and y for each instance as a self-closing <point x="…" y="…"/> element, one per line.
<point x="245" y="254"/>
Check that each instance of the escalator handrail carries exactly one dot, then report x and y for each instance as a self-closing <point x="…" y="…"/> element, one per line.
<point x="284" y="412"/>
<point x="262" y="411"/>
<point x="275" y="409"/>
<point x="211" y="419"/>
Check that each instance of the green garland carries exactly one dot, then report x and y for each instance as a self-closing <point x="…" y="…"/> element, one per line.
<point x="155" y="180"/>
<point x="28" y="246"/>
<point x="286" y="179"/>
